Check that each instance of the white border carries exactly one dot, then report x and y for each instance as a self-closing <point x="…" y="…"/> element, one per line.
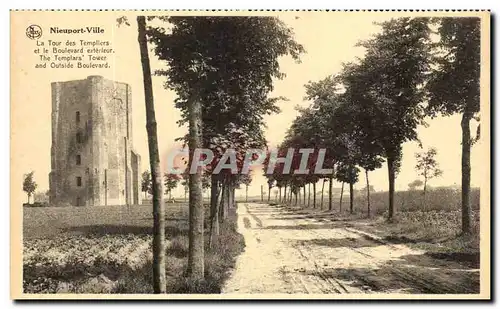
<point x="190" y="4"/>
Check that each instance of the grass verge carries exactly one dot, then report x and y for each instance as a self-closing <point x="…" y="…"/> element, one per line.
<point x="433" y="231"/>
<point x="435" y="228"/>
<point x="218" y="262"/>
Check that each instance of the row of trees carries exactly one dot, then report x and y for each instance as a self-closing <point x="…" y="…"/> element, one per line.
<point x="222" y="70"/>
<point x="364" y="114"/>
<point x="427" y="167"/>
<point x="171" y="182"/>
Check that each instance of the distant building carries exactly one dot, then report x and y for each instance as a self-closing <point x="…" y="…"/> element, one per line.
<point x="92" y="159"/>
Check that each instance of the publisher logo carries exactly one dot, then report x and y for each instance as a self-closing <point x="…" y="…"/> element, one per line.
<point x="34" y="32"/>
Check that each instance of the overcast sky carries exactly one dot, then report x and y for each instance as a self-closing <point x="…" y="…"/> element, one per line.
<point x="328" y="38"/>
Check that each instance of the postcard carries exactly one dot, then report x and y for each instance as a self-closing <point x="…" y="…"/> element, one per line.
<point x="250" y="155"/>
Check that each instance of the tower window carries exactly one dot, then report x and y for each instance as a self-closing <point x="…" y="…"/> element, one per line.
<point x="79" y="181"/>
<point x="78" y="159"/>
<point x="78" y="137"/>
<point x="77" y="118"/>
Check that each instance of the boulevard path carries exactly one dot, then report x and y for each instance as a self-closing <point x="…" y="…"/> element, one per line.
<point x="296" y="252"/>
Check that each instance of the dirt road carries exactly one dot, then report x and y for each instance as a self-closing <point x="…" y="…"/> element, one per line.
<point x="291" y="252"/>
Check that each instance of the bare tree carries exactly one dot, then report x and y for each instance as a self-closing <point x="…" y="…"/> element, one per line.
<point x="159" y="277"/>
<point x="427" y="167"/>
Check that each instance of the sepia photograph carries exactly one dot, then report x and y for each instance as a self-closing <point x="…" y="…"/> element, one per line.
<point x="250" y="155"/>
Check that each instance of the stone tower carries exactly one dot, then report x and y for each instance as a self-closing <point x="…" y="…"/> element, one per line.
<point x="92" y="158"/>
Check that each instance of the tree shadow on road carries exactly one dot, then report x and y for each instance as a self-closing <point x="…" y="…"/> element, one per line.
<point x="407" y="275"/>
<point x="304" y="226"/>
<point x="349" y="242"/>
<point x="460" y="260"/>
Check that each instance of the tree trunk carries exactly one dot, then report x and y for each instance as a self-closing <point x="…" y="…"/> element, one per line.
<point x="195" y="267"/>
<point x="330" y="195"/>
<point x="351" y="198"/>
<point x="304" y="194"/>
<point x="285" y="197"/>
<point x="246" y="193"/>
<point x="322" y="191"/>
<point x="224" y="202"/>
<point x="296" y="198"/>
<point x="159" y="277"/>
<point x="229" y="196"/>
<point x="308" y="195"/>
<point x="390" y="169"/>
<point x="232" y="204"/>
<point x="214" y="210"/>
<point x="314" y="195"/>
<point x="227" y="201"/>
<point x="269" y="194"/>
<point x="223" y="199"/>
<point x="425" y="189"/>
<point x="280" y="195"/>
<point x="368" y="192"/>
<point x="341" y="195"/>
<point x="466" y="145"/>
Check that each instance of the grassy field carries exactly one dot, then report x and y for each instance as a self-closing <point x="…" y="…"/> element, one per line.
<point x="445" y="199"/>
<point x="442" y="199"/>
<point x="108" y="250"/>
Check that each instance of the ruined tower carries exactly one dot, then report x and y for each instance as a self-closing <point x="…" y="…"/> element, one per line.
<point x="92" y="158"/>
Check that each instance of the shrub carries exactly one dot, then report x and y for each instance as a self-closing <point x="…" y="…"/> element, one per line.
<point x="218" y="261"/>
<point x="36" y="204"/>
<point x="62" y="204"/>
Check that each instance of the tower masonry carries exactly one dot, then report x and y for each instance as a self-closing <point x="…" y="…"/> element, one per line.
<point x="93" y="162"/>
